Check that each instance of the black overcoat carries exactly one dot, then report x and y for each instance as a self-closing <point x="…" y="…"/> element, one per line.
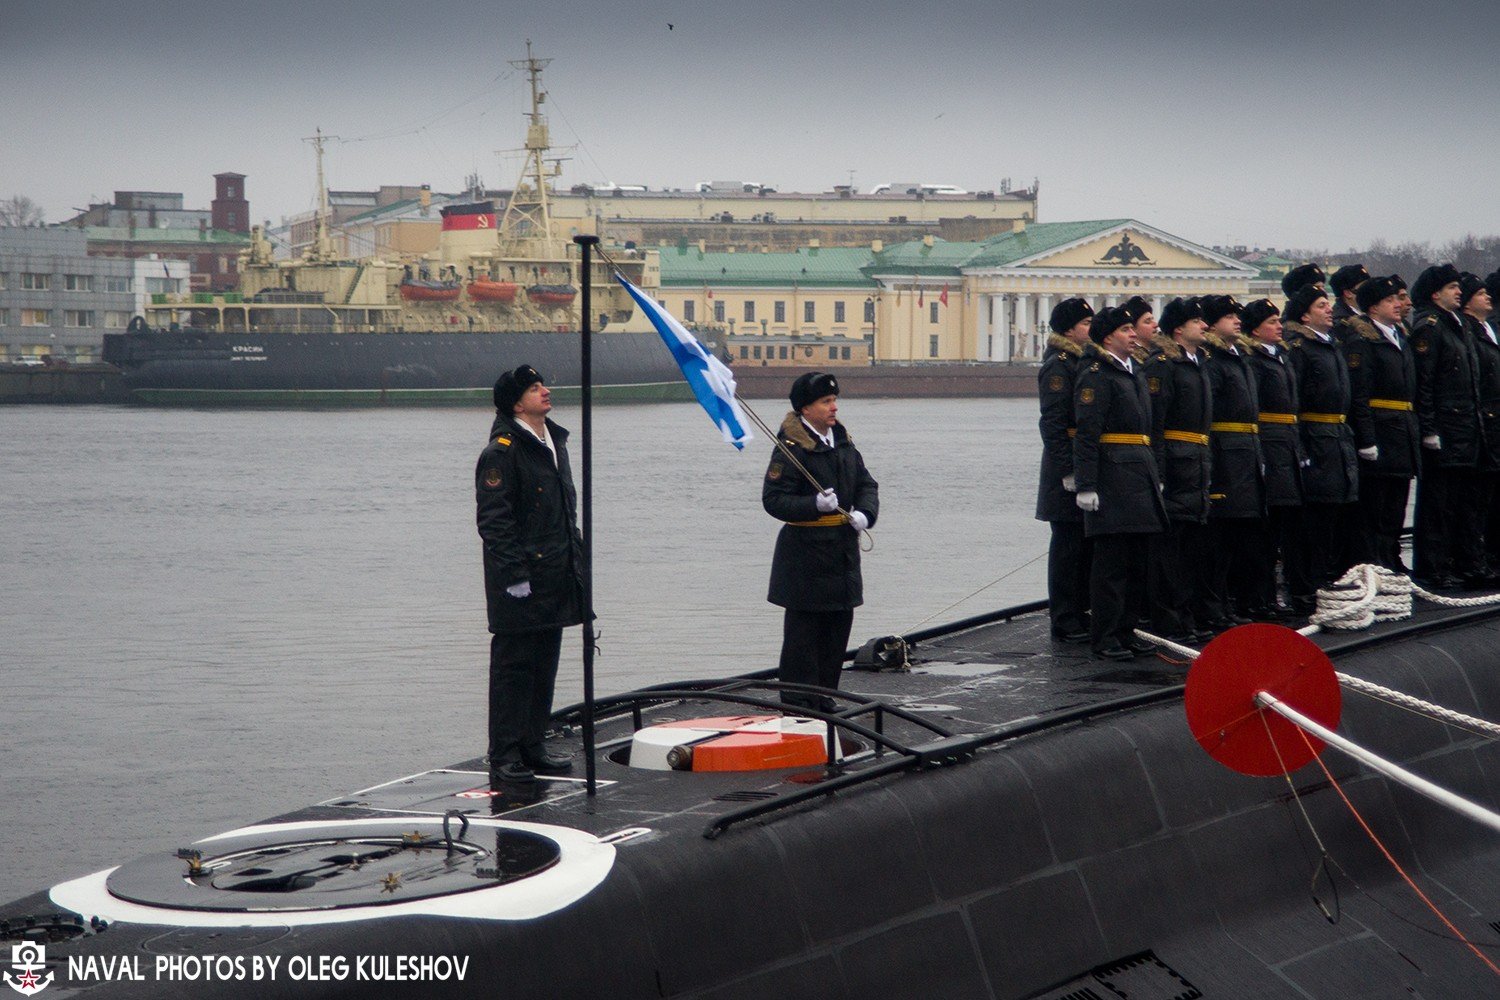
<point x="1182" y="403"/>
<point x="1447" y="386"/>
<point x="816" y="563"/>
<point x="528" y="521"/>
<point x="1331" y="475"/>
<point x="1111" y="401"/>
<point x="1386" y="373"/>
<point x="1055" y="384"/>
<point x="1280" y="440"/>
<point x="1488" y="353"/>
<point x="1236" y="489"/>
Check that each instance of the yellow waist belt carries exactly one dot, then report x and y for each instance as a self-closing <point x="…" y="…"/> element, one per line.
<point x="1124" y="439"/>
<point x="1391" y="404"/>
<point x="1324" y="418"/>
<point x="1229" y="427"/>
<point x="1187" y="437"/>
<point x="826" y="521"/>
<point x="1278" y="418"/>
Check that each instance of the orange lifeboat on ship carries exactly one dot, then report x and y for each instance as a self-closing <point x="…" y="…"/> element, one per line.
<point x="486" y="290"/>
<point x="419" y="290"/>
<point x="551" y="295"/>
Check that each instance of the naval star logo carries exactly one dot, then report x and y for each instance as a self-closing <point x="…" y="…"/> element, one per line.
<point x="29" y="958"/>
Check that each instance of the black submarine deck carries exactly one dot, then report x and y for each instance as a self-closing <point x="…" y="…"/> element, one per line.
<point x="1020" y="820"/>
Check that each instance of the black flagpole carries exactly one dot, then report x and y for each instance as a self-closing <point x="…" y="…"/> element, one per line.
<point x="586" y="280"/>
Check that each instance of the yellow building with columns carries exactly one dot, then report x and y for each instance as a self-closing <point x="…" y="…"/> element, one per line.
<point x="930" y="300"/>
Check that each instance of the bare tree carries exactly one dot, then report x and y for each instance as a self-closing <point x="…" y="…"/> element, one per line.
<point x="19" y="210"/>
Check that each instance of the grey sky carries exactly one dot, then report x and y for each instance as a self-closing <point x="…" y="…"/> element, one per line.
<point x="1277" y="123"/>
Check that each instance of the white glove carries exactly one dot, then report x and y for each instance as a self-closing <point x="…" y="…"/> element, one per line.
<point x="1306" y="463"/>
<point x="1370" y="454"/>
<point x="828" y="501"/>
<point x="1433" y="442"/>
<point x="1087" y="500"/>
<point x="522" y="589"/>
<point x="1070" y="483"/>
<point x="858" y="519"/>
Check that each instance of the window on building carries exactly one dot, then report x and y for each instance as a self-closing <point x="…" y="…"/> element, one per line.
<point x="157" y="286"/>
<point x="230" y="194"/>
<point x="838" y="311"/>
<point x="749" y="310"/>
<point x="688" y="311"/>
<point x="115" y="319"/>
<point x="833" y="353"/>
<point x="117" y="283"/>
<point x="932" y="313"/>
<point x="778" y="311"/>
<point x="781" y="353"/>
<point x="869" y="310"/>
<point x="36" y="317"/>
<point x="809" y="312"/>
<point x="232" y="220"/>
<point x="3" y="276"/>
<point x="78" y="318"/>
<point x="744" y="352"/>
<point x="718" y="312"/>
<point x="4" y="317"/>
<point x="756" y="351"/>
<point x="36" y="282"/>
<point x="844" y="353"/>
<point x="932" y="346"/>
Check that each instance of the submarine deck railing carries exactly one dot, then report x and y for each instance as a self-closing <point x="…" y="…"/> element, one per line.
<point x="948" y="748"/>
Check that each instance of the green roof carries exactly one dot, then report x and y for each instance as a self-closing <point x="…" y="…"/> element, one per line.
<point x="916" y="257"/>
<point x="1039" y="237"/>
<point x="143" y="234"/>
<point x="806" y="266"/>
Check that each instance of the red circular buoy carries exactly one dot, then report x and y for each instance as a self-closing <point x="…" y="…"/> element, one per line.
<point x="1221" y="690"/>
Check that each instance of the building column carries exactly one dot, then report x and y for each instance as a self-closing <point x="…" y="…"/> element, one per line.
<point x="1158" y="303"/>
<point x="1022" y="341"/>
<point x="1110" y="301"/>
<point x="1002" y="328"/>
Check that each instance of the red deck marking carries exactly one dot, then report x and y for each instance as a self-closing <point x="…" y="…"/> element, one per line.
<point x="1223" y="682"/>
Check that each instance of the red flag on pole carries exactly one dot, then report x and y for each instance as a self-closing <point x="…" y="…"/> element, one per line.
<point x="943" y="298"/>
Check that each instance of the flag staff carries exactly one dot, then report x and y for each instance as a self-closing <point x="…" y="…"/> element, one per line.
<point x="586" y="385"/>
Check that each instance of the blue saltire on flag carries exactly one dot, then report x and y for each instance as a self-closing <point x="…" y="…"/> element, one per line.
<point x="711" y="380"/>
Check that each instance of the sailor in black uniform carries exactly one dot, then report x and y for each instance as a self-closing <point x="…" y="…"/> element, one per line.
<point x="1302" y="276"/>
<point x="1383" y="384"/>
<point x="533" y="571"/>
<point x="1118" y="487"/>
<point x="1330" y="479"/>
<point x="1344" y="284"/>
<point x="1489" y="410"/>
<point x="1475" y="301"/>
<point x="1236" y="498"/>
<point x="1281" y="450"/>
<point x="815" y="572"/>
<point x="1181" y="410"/>
<point x="1446" y="532"/>
<point x="1068" y="556"/>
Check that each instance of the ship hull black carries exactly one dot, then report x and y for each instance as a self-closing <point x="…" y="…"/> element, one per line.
<point x="1089" y="851"/>
<point x="322" y="367"/>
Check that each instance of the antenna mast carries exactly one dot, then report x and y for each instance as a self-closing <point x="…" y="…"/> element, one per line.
<point x="528" y="213"/>
<point x="322" y="248"/>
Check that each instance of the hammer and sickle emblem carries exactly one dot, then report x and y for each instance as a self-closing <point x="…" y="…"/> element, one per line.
<point x="484" y="222"/>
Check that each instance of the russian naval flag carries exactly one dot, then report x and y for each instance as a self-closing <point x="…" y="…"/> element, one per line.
<point x="710" y="378"/>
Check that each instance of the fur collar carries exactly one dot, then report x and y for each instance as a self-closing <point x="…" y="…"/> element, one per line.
<point x="1300" y="334"/>
<point x="1063" y="345"/>
<point x="1172" y="350"/>
<point x="1224" y="343"/>
<point x="1365" y="328"/>
<point x="795" y="431"/>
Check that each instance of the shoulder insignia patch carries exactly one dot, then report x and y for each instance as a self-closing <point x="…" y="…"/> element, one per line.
<point x="1154" y="384"/>
<point x="503" y="441"/>
<point x="492" y="478"/>
<point x="1421" y="346"/>
<point x="1354" y="360"/>
<point x="1094" y="367"/>
<point x="1429" y="320"/>
<point x="1055" y="383"/>
<point x="774" y="472"/>
<point x="1086" y="396"/>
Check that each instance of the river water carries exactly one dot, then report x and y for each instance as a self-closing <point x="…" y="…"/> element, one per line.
<point x="211" y="617"/>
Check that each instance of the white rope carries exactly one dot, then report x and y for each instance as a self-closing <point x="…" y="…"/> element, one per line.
<point x="1363" y="596"/>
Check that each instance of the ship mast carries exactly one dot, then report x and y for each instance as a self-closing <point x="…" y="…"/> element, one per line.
<point x="322" y="249"/>
<point x="526" y="227"/>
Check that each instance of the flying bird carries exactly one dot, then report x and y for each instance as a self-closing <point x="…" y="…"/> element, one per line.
<point x="669" y="25"/>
